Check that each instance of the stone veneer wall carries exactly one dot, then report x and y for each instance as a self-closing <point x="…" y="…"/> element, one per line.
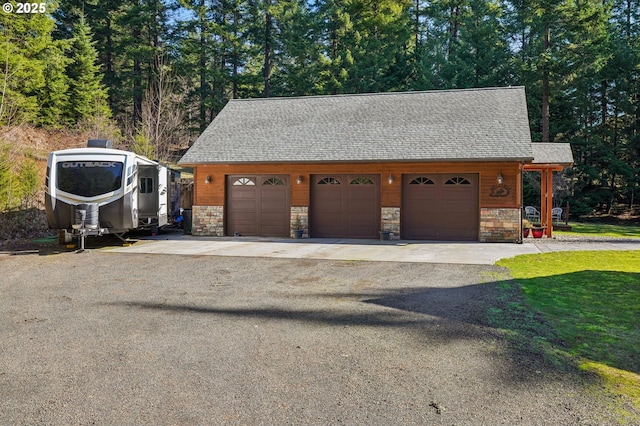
<point x="302" y="214"/>
<point x="500" y="225"/>
<point x="208" y="220"/>
<point x="391" y="219"/>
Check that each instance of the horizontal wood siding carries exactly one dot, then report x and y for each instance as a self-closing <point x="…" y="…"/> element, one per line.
<point x="491" y="195"/>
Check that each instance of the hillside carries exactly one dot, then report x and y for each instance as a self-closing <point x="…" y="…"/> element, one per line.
<point x="22" y="217"/>
<point x="24" y="142"/>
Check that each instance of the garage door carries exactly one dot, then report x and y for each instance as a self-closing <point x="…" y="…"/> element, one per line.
<point x="258" y="205"/>
<point x="345" y="206"/>
<point x="440" y="207"/>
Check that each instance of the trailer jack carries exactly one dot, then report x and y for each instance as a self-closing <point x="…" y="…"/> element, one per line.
<point x="81" y="226"/>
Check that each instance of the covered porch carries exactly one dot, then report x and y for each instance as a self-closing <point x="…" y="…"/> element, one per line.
<point x="548" y="158"/>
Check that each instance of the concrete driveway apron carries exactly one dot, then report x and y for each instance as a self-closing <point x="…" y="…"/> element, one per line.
<point x="357" y="250"/>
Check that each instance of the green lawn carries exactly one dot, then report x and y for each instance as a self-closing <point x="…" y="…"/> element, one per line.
<point x="604" y="230"/>
<point x="591" y="300"/>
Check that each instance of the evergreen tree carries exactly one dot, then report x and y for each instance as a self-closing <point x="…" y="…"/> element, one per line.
<point x="436" y="36"/>
<point x="87" y="95"/>
<point x="54" y="95"/>
<point x="479" y="56"/>
<point x="23" y="42"/>
<point x="539" y="31"/>
<point x="336" y="36"/>
<point x="194" y="46"/>
<point x="297" y="72"/>
<point x="381" y="34"/>
<point x="143" y="28"/>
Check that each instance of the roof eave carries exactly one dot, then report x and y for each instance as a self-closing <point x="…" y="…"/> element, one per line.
<point x="547" y="166"/>
<point x="372" y="160"/>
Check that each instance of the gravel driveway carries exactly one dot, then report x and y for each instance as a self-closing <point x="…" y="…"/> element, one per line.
<point x="111" y="338"/>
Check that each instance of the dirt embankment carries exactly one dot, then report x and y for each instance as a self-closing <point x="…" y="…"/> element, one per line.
<point x="22" y="219"/>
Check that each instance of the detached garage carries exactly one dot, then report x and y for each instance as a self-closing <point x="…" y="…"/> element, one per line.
<point x="436" y="165"/>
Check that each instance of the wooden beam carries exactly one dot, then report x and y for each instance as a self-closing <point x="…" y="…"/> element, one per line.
<point x="549" y="206"/>
<point x="543" y="197"/>
<point x="540" y="167"/>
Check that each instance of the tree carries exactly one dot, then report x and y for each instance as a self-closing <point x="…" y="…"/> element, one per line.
<point x="54" y="95"/>
<point x="6" y="178"/>
<point x="212" y="51"/>
<point x="23" y="41"/>
<point x="538" y="31"/>
<point x="29" y="183"/>
<point x="479" y="55"/>
<point x="381" y="34"/>
<point x="87" y="95"/>
<point x="599" y="96"/>
<point x="161" y="117"/>
<point x="297" y="71"/>
<point x="336" y="34"/>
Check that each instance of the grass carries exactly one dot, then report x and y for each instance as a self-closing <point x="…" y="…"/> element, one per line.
<point x="591" y="300"/>
<point x="604" y="230"/>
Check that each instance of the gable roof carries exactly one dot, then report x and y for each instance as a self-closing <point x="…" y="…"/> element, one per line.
<point x="450" y="125"/>
<point x="552" y="153"/>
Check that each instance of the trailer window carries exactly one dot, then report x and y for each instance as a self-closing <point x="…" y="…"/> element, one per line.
<point x="146" y="185"/>
<point x="89" y="178"/>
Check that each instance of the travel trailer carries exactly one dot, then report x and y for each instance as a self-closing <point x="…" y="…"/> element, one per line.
<point x="99" y="190"/>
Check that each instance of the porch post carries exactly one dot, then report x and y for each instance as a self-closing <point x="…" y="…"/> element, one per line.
<point x="543" y="197"/>
<point x="549" y="201"/>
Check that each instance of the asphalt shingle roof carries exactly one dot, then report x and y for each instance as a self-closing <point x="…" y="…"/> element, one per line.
<point x="449" y="125"/>
<point x="552" y="153"/>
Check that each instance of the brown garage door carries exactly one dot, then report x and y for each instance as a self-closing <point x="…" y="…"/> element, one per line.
<point x="440" y="207"/>
<point x="345" y="206"/>
<point x="258" y="205"/>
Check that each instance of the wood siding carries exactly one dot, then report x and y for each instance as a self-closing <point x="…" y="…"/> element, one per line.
<point x="491" y="194"/>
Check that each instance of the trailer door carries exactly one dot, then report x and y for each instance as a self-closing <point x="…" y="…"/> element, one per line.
<point x="148" y="200"/>
<point x="163" y="195"/>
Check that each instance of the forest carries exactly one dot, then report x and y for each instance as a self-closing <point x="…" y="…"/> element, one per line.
<point x="152" y="74"/>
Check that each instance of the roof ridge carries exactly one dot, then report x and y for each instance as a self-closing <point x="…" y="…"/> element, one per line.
<point x="371" y="94"/>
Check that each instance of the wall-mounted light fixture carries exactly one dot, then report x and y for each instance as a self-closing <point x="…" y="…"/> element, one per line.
<point x="390" y="179"/>
<point x="299" y="179"/>
<point x="500" y="180"/>
<point x="207" y="179"/>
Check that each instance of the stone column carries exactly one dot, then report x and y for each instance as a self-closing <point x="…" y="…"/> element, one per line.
<point x="300" y="218"/>
<point x="500" y="225"/>
<point x="390" y="220"/>
<point x="208" y="221"/>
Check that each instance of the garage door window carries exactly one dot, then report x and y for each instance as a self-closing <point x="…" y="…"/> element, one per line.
<point x="243" y="181"/>
<point x="361" y="181"/>
<point x="329" y="181"/>
<point x="273" y="181"/>
<point x="422" y="181"/>
<point x="457" y="181"/>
